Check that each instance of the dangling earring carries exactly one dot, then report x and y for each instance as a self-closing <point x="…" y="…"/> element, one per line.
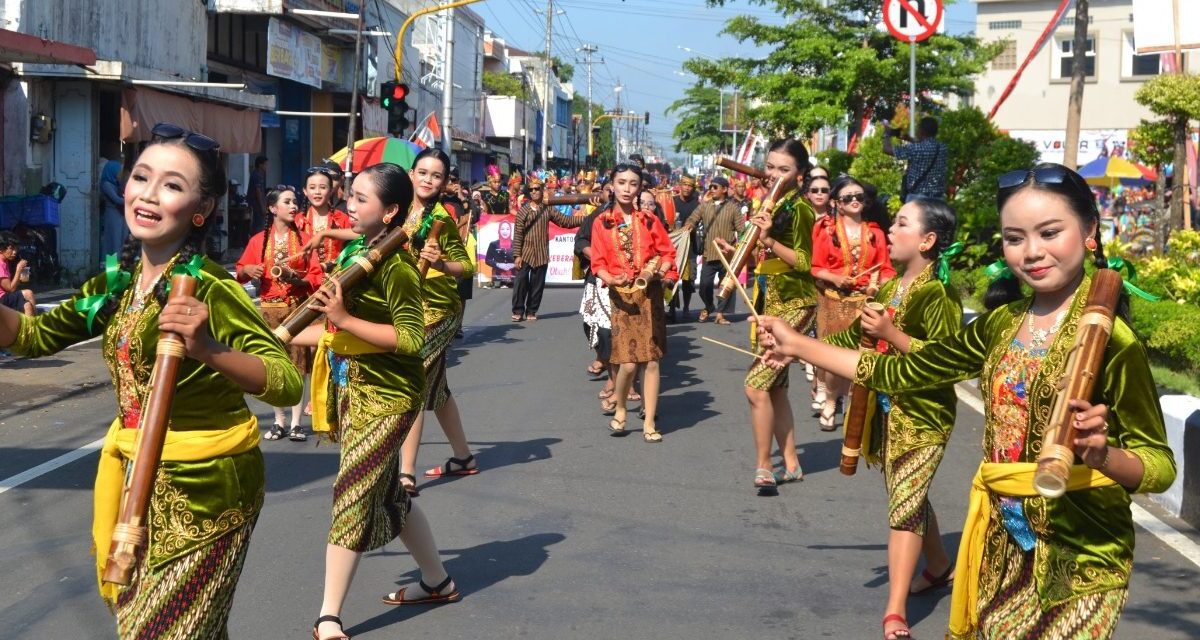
<point x="1090" y="243"/>
<point x="198" y="220"/>
<point x="922" y="248"/>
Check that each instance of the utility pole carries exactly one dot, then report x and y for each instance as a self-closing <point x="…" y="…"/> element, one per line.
<point x="354" y="94"/>
<point x="1078" y="73"/>
<point x="546" y="93"/>
<point x="617" y="125"/>
<point x="588" y="50"/>
<point x="448" y="79"/>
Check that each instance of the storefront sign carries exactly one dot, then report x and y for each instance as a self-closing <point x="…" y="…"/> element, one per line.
<point x="293" y="53"/>
<point x="1093" y="143"/>
<point x="335" y="66"/>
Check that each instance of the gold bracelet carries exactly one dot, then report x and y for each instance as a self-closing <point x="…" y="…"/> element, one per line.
<point x="1107" y="453"/>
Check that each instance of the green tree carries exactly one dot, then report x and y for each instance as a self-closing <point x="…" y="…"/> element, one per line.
<point x="698" y="130"/>
<point x="829" y="60"/>
<point x="1153" y="144"/>
<point x="563" y="70"/>
<point x="1175" y="97"/>
<point x="496" y="83"/>
<point x="872" y="165"/>
<point x="604" y="138"/>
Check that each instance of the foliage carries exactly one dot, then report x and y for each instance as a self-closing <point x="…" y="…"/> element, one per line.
<point x="835" y="161"/>
<point x="1185" y="245"/>
<point x="604" y="138"/>
<point x="1152" y="143"/>
<point x="698" y="130"/>
<point x="497" y="83"/>
<point x="1172" y="95"/>
<point x="872" y="165"/>
<point x="1169" y="333"/>
<point x="563" y="70"/>
<point x="829" y="58"/>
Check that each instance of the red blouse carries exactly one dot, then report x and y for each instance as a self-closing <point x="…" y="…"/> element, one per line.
<point x="649" y="239"/>
<point x="329" y="248"/>
<point x="270" y="289"/>
<point x="851" y="258"/>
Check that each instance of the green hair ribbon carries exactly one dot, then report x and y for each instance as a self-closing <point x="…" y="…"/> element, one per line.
<point x="193" y="268"/>
<point x="1120" y="264"/>
<point x="352" y="248"/>
<point x="943" y="263"/>
<point x="997" y="270"/>
<point x="423" y="230"/>
<point x="116" y="280"/>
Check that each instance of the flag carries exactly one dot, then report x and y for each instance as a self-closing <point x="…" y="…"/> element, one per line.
<point x="747" y="148"/>
<point x="429" y="133"/>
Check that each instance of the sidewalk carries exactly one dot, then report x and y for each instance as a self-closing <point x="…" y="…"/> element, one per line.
<point x="51" y="295"/>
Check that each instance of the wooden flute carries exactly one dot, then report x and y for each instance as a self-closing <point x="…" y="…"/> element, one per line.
<point x="643" y="279"/>
<point x="1079" y="381"/>
<point x="130" y="533"/>
<point x="360" y="267"/>
<point x="569" y="199"/>
<point x="741" y="256"/>
<point x="435" y="231"/>
<point x="856" y="416"/>
<point x="734" y="165"/>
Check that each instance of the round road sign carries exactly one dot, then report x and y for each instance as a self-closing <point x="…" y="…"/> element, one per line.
<point x="912" y="20"/>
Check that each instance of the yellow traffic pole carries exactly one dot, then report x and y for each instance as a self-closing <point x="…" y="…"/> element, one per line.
<point x="407" y="23"/>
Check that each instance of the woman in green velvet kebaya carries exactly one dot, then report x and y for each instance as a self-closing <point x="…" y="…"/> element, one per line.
<point x="906" y="433"/>
<point x="368" y="388"/>
<point x="209" y="490"/>
<point x="1029" y="566"/>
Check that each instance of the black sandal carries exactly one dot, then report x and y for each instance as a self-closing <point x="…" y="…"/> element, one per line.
<point x="463" y="468"/>
<point x="297" y="434"/>
<point x="411" y="489"/>
<point x="275" y="432"/>
<point x="433" y="595"/>
<point x="335" y="619"/>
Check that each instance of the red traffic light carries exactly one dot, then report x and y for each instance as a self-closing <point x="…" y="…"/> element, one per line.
<point x="399" y="91"/>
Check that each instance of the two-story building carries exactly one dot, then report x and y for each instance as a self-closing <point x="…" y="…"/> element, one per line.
<point x="1037" y="108"/>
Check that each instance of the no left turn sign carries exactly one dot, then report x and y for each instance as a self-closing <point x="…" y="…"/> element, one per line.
<point x="912" y="20"/>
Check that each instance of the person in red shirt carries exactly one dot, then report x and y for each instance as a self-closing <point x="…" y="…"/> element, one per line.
<point x="625" y="240"/>
<point x="850" y="261"/>
<point x="328" y="228"/>
<point x="286" y="275"/>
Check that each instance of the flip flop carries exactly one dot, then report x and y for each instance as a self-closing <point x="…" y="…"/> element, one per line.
<point x="435" y="595"/>
<point x="516" y="318"/>
<point x="445" y="470"/>
<point x="608" y="407"/>
<point x="595" y="371"/>
<point x="616" y="428"/>
<point x="605" y="394"/>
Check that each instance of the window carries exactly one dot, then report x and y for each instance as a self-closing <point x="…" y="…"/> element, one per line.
<point x="1063" y="55"/>
<point x="1138" y="65"/>
<point x="1070" y="22"/>
<point x="1007" y="60"/>
<point x="997" y="25"/>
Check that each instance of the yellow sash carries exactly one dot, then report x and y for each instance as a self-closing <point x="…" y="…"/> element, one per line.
<point x="180" y="446"/>
<point x="1013" y="479"/>
<point x="772" y="267"/>
<point x="342" y="343"/>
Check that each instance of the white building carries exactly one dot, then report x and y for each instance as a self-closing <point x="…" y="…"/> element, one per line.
<point x="1037" y="108"/>
<point x="510" y="121"/>
<point x="561" y="132"/>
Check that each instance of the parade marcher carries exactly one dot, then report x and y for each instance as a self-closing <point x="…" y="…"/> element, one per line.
<point x="531" y="246"/>
<point x="368" y="390"/>
<point x="211" y="482"/>
<point x="786" y="290"/>
<point x="453" y="203"/>
<point x="927" y="160"/>
<point x="1030" y="566"/>
<point x="11" y="278"/>
<point x="112" y="204"/>
<point x="286" y="276"/>
<point x="443" y="315"/>
<point x="906" y="433"/>
<point x="492" y="195"/>
<point x="850" y="259"/>
<point x="328" y="229"/>
<point x="817" y="188"/>
<point x="596" y="309"/>
<point x="685" y="205"/>
<point x="256" y="192"/>
<point x="719" y="217"/>
<point x="625" y="241"/>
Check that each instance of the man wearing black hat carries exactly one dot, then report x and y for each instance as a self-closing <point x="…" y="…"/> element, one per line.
<point x="719" y="217"/>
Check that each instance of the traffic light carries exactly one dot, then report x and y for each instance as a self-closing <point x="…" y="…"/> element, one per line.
<point x="647" y="117"/>
<point x="394" y="96"/>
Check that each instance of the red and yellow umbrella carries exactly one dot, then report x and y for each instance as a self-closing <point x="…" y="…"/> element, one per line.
<point x="369" y="151"/>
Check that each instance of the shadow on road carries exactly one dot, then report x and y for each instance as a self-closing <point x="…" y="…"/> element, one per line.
<point x="820" y="455"/>
<point x="1178" y="613"/>
<point x="496" y="455"/>
<point x="475" y="569"/>
<point x="289" y="468"/>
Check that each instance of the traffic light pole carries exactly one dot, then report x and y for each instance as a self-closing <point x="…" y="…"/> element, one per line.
<point x="354" y="97"/>
<point x="608" y="116"/>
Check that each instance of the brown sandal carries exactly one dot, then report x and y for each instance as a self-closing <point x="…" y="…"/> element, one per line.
<point x="435" y="595"/>
<point x="334" y="619"/>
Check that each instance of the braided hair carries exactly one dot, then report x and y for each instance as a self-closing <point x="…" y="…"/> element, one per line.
<point x="212" y="186"/>
<point x="273" y="197"/>
<point x="782" y="218"/>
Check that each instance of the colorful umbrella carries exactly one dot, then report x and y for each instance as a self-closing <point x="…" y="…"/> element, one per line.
<point x="1109" y="172"/>
<point x="369" y="151"/>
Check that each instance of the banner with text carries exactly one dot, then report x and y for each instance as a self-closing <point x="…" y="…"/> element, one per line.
<point x="1093" y="143"/>
<point x="494" y="259"/>
<point x="293" y="53"/>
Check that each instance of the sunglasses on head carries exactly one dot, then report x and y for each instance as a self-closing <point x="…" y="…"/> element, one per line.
<point x="197" y="141"/>
<point x="283" y="187"/>
<point x="1053" y="174"/>
<point x="325" y="171"/>
<point x="852" y="197"/>
<point x="819" y="190"/>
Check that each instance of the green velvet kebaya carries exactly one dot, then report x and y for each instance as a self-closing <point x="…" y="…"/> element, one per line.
<point x="926" y="312"/>
<point x="1082" y="542"/>
<point x="795" y="282"/>
<point x="441" y="290"/>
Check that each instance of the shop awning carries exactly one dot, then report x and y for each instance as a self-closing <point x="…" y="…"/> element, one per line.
<point x="22" y="47"/>
<point x="238" y="130"/>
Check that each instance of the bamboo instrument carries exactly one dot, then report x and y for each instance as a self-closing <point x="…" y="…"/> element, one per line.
<point x="643" y="279"/>
<point x="569" y="199"/>
<point x="130" y="533"/>
<point x="734" y="165"/>
<point x="857" y="415"/>
<point x="435" y="231"/>
<point x="741" y="256"/>
<point x="360" y="266"/>
<point x="1079" y="380"/>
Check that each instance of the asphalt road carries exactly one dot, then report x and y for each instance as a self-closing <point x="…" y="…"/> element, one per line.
<point x="567" y="532"/>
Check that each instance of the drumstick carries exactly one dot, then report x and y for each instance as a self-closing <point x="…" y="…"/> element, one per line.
<point x="295" y="255"/>
<point x="740" y="288"/>
<point x="729" y="346"/>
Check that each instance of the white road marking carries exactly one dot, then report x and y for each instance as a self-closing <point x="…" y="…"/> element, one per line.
<point x="50" y="465"/>
<point x="1166" y="533"/>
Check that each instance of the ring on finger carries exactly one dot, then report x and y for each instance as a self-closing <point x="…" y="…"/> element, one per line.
<point x="189" y="311"/>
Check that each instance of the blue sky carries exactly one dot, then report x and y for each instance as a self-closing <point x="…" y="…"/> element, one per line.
<point x="640" y="42"/>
